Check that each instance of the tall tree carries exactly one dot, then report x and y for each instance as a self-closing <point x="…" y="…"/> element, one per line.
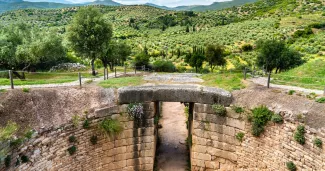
<point x="196" y="58"/>
<point x="215" y="55"/>
<point x="89" y="34"/>
<point x="116" y="52"/>
<point x="274" y="54"/>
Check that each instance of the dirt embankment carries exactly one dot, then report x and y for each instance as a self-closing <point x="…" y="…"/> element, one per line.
<point x="46" y="108"/>
<point x="293" y="107"/>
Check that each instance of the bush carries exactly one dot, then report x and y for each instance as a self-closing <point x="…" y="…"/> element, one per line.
<point x="240" y="136"/>
<point x="318" y="142"/>
<point x="291" y="166"/>
<point x="219" y="109"/>
<point x="291" y="92"/>
<point x="299" y="135"/>
<point x="321" y="100"/>
<point x="247" y="47"/>
<point x="85" y="125"/>
<point x="276" y="118"/>
<point x="163" y="66"/>
<point x="8" y="161"/>
<point x="26" y="90"/>
<point x="24" y="159"/>
<point x="29" y="134"/>
<point x="72" y="139"/>
<point x="261" y="115"/>
<point x="180" y="68"/>
<point x="238" y="109"/>
<point x="16" y="142"/>
<point x="111" y="127"/>
<point x="8" y="131"/>
<point x="72" y="150"/>
<point x="93" y="139"/>
<point x="75" y="120"/>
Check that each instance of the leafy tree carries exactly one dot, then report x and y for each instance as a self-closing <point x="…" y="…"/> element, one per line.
<point x="116" y="52"/>
<point x="187" y="29"/>
<point x="89" y="34"/>
<point x="215" y="55"/>
<point x="141" y="59"/>
<point x="196" y="58"/>
<point x="274" y="54"/>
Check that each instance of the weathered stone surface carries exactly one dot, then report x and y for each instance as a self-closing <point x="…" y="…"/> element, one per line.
<point x="174" y="93"/>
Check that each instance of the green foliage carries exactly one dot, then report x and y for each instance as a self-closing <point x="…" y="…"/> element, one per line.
<point x="24" y="159"/>
<point x="93" y="139"/>
<point x="75" y="120"/>
<point x="2" y="90"/>
<point x="196" y="58"/>
<point x="219" y="109"/>
<point x="215" y="55"/>
<point x="299" y="135"/>
<point x="291" y="92"/>
<point x="26" y="90"/>
<point x="303" y="33"/>
<point x="89" y="34"/>
<point x="111" y="127"/>
<point x="16" y="142"/>
<point x="29" y="134"/>
<point x="291" y="166"/>
<point x="261" y="115"/>
<point x="72" y="150"/>
<point x="238" y="109"/>
<point x="72" y="139"/>
<point x="318" y="143"/>
<point x="8" y="161"/>
<point x="240" y="136"/>
<point x="8" y="131"/>
<point x="247" y="47"/>
<point x="122" y="82"/>
<point x="141" y="59"/>
<point x="163" y="66"/>
<point x="17" y="162"/>
<point x="276" y="118"/>
<point x="86" y="125"/>
<point x="321" y="100"/>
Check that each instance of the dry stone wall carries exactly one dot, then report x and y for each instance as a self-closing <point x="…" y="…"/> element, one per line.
<point x="133" y="149"/>
<point x="215" y="147"/>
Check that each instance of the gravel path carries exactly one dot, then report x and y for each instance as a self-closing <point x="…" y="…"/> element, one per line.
<point x="68" y="84"/>
<point x="263" y="81"/>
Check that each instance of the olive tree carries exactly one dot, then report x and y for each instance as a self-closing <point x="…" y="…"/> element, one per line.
<point x="89" y="34"/>
<point x="215" y="55"/>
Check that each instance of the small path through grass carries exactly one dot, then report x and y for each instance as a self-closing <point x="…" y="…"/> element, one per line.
<point x="263" y="81"/>
<point x="172" y="154"/>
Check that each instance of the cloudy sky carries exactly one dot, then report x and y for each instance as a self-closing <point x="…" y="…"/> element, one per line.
<point x="169" y="3"/>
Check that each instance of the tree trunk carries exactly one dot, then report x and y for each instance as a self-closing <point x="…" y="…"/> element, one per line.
<point x="111" y="66"/>
<point x="196" y="69"/>
<point x="93" y="72"/>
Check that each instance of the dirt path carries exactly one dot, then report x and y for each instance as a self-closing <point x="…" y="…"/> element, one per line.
<point x="172" y="152"/>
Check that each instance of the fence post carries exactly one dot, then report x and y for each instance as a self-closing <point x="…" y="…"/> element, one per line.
<point x="135" y="70"/>
<point x="245" y="72"/>
<point x="104" y="73"/>
<point x="11" y="79"/>
<point x="268" y="80"/>
<point x="79" y="76"/>
<point x="115" y="72"/>
<point x="124" y="70"/>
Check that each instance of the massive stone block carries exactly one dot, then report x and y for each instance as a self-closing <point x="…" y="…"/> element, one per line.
<point x="174" y="93"/>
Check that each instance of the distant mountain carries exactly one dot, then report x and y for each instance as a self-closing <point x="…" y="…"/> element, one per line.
<point x="214" y="6"/>
<point x="104" y="2"/>
<point x="54" y="1"/>
<point x="158" y="6"/>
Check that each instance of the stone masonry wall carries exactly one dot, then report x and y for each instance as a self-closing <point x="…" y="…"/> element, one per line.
<point x="214" y="146"/>
<point x="133" y="149"/>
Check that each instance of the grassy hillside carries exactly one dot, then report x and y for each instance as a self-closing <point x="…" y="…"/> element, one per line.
<point x="215" y="5"/>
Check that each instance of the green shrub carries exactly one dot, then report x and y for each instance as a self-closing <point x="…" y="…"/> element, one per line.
<point x="8" y="131"/>
<point x="26" y="90"/>
<point x="72" y="139"/>
<point x="93" y="139"/>
<point x="163" y="66"/>
<point x="299" y="135"/>
<point x="29" y="134"/>
<point x="276" y="118"/>
<point x="291" y="92"/>
<point x="2" y="90"/>
<point x="318" y="142"/>
<point x="240" y="136"/>
<point x="291" y="166"/>
<point x="321" y="100"/>
<point x="16" y="142"/>
<point x="75" y="120"/>
<point x="72" y="150"/>
<point x="17" y="162"/>
<point x="24" y="159"/>
<point x="111" y="127"/>
<point x="85" y="125"/>
<point x="219" y="109"/>
<point x="247" y="47"/>
<point x="261" y="115"/>
<point x="238" y="109"/>
<point x="8" y="161"/>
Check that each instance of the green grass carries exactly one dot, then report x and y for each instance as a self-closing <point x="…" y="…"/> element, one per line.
<point x="8" y="131"/>
<point x="121" y="82"/>
<point x="310" y="75"/>
<point x="228" y="81"/>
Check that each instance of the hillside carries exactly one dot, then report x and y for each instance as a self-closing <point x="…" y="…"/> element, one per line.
<point x="214" y="6"/>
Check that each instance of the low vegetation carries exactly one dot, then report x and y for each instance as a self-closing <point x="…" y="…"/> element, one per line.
<point x="72" y="150"/>
<point x="110" y="127"/>
<point x="260" y="116"/>
<point x="238" y="109"/>
<point x="299" y="135"/>
<point x="72" y="139"/>
<point x="291" y="166"/>
<point x="219" y="110"/>
<point x="229" y="81"/>
<point x="94" y="139"/>
<point x="240" y="136"/>
<point x="318" y="143"/>
<point x="277" y="118"/>
<point x="321" y="100"/>
<point x="122" y="82"/>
